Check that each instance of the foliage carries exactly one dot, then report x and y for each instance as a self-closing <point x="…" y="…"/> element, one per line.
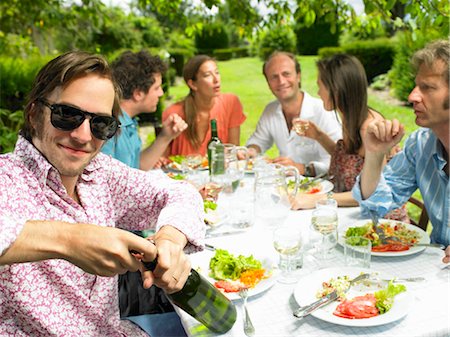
<point x="10" y="124"/>
<point x="213" y="35"/>
<point x="401" y="74"/>
<point x="375" y="55"/>
<point x="16" y="79"/>
<point x="310" y="39"/>
<point x="277" y="37"/>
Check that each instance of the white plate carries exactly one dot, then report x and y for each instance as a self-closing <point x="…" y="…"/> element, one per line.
<point x="305" y="293"/>
<point x="425" y="238"/>
<point x="261" y="287"/>
<point x="326" y="185"/>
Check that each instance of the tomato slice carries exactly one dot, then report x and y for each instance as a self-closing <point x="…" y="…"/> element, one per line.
<point x="227" y="286"/>
<point x="390" y="247"/>
<point x="358" y="307"/>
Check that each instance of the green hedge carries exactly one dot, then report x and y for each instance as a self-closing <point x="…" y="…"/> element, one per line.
<point x="311" y="39"/>
<point x="16" y="80"/>
<point x="375" y="55"/>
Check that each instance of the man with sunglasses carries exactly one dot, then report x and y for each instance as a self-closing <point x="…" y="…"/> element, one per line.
<point x="139" y="77"/>
<point x="63" y="206"/>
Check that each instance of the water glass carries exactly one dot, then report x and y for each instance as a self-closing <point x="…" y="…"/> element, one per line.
<point x="357" y="251"/>
<point x="327" y="203"/>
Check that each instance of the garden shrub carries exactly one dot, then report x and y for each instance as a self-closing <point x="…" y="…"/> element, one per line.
<point x="401" y="75"/>
<point x="329" y="51"/>
<point x="16" y="80"/>
<point x="310" y="39"/>
<point x="212" y="36"/>
<point x="223" y="54"/>
<point x="10" y="124"/>
<point x="375" y="55"/>
<point x="277" y="37"/>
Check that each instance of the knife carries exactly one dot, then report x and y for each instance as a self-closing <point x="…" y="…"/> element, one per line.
<point x="219" y="234"/>
<point x="435" y="245"/>
<point x="306" y="310"/>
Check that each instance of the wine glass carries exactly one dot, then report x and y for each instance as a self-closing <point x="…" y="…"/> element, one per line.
<point x="300" y="126"/>
<point x="324" y="220"/>
<point x="190" y="165"/>
<point x="287" y="241"/>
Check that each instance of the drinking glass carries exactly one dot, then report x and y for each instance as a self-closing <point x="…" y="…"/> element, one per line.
<point x="300" y="126"/>
<point x="324" y="220"/>
<point x="287" y="241"/>
<point x="190" y="165"/>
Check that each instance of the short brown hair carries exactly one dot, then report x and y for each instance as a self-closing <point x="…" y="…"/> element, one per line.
<point x="298" y="68"/>
<point x="60" y="73"/>
<point x="436" y="50"/>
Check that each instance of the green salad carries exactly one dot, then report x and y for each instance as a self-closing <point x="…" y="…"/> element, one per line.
<point x="385" y="297"/>
<point x="227" y="266"/>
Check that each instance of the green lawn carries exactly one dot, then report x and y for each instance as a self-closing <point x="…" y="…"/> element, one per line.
<point x="244" y="78"/>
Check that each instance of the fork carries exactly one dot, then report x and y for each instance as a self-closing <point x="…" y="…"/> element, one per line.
<point x="249" y="329"/>
<point x="378" y="230"/>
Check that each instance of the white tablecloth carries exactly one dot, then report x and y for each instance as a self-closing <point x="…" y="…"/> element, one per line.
<point x="271" y="311"/>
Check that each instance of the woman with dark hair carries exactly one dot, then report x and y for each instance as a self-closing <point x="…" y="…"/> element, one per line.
<point x="203" y="103"/>
<point x="342" y="85"/>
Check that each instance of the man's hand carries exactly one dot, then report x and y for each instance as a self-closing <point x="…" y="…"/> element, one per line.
<point x="382" y="135"/>
<point x="106" y="251"/>
<point x="173" y="126"/>
<point x="173" y="267"/>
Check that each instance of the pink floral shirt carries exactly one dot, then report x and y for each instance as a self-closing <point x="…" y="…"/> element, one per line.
<point x="54" y="297"/>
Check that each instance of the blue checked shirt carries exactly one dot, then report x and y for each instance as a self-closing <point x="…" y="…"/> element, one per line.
<point x="419" y="165"/>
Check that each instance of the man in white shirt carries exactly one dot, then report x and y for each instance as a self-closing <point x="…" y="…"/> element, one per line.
<point x="283" y="75"/>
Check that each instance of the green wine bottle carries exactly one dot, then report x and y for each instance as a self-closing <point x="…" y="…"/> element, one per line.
<point x="200" y="299"/>
<point x="214" y="140"/>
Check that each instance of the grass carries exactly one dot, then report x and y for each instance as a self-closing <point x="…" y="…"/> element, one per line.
<point x="244" y="78"/>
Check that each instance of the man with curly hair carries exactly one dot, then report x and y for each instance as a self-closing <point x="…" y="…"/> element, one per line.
<point x="139" y="76"/>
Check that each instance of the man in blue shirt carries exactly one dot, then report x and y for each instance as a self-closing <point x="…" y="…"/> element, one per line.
<point x="424" y="162"/>
<point x="139" y="76"/>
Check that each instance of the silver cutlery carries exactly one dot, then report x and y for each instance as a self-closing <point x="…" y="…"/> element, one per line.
<point x="219" y="234"/>
<point x="249" y="329"/>
<point x="311" y="181"/>
<point x="378" y="230"/>
<point x="308" y="309"/>
<point x="434" y="245"/>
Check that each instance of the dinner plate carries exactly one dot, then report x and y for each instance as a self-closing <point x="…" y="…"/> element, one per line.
<point x="307" y="287"/>
<point x="203" y="267"/>
<point x="326" y="185"/>
<point x="425" y="238"/>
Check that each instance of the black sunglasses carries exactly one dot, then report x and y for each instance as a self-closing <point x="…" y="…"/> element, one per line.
<point x="68" y="118"/>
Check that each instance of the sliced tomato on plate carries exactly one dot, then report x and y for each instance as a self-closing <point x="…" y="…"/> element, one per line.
<point x="358" y="307"/>
<point x="228" y="286"/>
<point x="390" y="247"/>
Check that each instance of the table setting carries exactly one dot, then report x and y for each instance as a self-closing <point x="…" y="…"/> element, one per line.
<point x="299" y="255"/>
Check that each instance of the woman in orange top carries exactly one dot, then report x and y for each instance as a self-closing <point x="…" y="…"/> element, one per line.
<point x="203" y="103"/>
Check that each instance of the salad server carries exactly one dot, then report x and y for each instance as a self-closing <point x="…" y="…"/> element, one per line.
<point x="308" y="309"/>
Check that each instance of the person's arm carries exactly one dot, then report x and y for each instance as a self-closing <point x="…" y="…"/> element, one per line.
<point x="172" y="127"/>
<point x="378" y="139"/>
<point x="103" y="251"/>
<point x="308" y="201"/>
<point x="234" y="135"/>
